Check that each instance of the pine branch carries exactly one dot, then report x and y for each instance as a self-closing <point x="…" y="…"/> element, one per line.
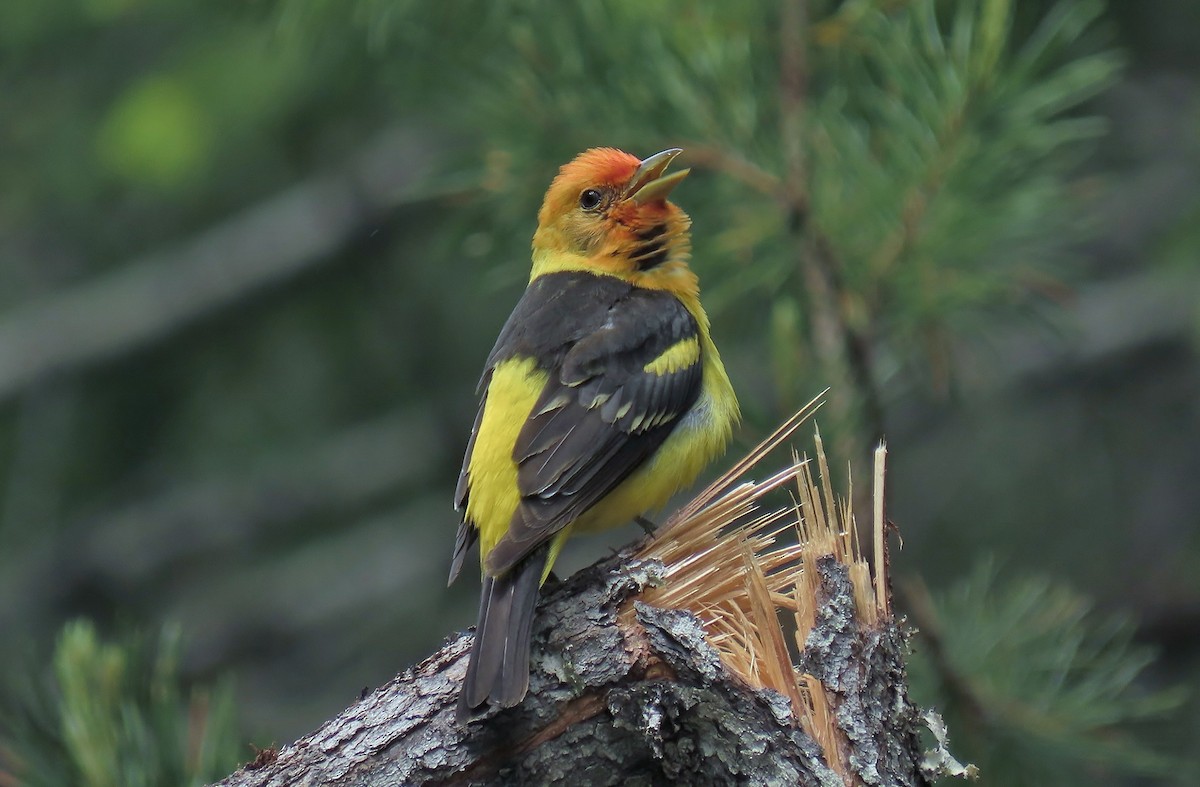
<point x="1026" y="667"/>
<point x="115" y="713"/>
<point x="843" y="349"/>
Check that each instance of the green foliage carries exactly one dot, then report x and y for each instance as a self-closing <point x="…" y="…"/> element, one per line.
<point x="1035" y="685"/>
<point x="157" y="133"/>
<point x="122" y="102"/>
<point x="935" y="149"/>
<point x="116" y="715"/>
<point x="941" y="153"/>
<point x="929" y="159"/>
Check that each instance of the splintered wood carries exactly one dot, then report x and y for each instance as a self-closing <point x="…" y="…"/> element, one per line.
<point x="749" y="573"/>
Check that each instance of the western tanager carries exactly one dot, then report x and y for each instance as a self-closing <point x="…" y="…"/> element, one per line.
<point x="603" y="396"/>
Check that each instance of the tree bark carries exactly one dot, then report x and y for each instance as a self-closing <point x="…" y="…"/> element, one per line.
<point x="623" y="693"/>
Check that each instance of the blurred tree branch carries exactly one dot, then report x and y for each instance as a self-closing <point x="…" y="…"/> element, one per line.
<point x="269" y="243"/>
<point x="1154" y="308"/>
<point x="146" y="540"/>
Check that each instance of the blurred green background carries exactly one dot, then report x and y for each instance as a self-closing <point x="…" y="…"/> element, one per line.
<point x="253" y="255"/>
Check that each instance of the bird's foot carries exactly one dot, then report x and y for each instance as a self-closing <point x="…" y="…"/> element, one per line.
<point x="645" y="524"/>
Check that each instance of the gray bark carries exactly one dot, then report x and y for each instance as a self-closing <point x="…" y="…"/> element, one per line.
<point x="621" y="693"/>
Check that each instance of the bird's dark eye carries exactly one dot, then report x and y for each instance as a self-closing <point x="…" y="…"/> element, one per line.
<point x="590" y="199"/>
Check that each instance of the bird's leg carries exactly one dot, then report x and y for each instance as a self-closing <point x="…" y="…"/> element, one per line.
<point x="645" y="524"/>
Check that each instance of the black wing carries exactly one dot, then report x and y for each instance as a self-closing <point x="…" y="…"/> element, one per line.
<point x="605" y="409"/>
<point x="603" y="414"/>
<point x="555" y="312"/>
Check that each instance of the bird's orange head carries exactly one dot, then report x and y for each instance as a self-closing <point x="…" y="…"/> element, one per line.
<point x="607" y="212"/>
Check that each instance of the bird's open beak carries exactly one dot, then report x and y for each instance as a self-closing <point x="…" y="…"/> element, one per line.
<point x="649" y="183"/>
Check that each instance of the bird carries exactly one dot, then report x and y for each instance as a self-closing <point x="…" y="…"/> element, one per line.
<point x="603" y="396"/>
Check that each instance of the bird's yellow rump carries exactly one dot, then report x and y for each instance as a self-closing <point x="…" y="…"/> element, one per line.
<point x="603" y="396"/>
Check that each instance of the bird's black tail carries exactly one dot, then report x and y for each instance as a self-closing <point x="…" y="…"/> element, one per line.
<point x="498" y="672"/>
